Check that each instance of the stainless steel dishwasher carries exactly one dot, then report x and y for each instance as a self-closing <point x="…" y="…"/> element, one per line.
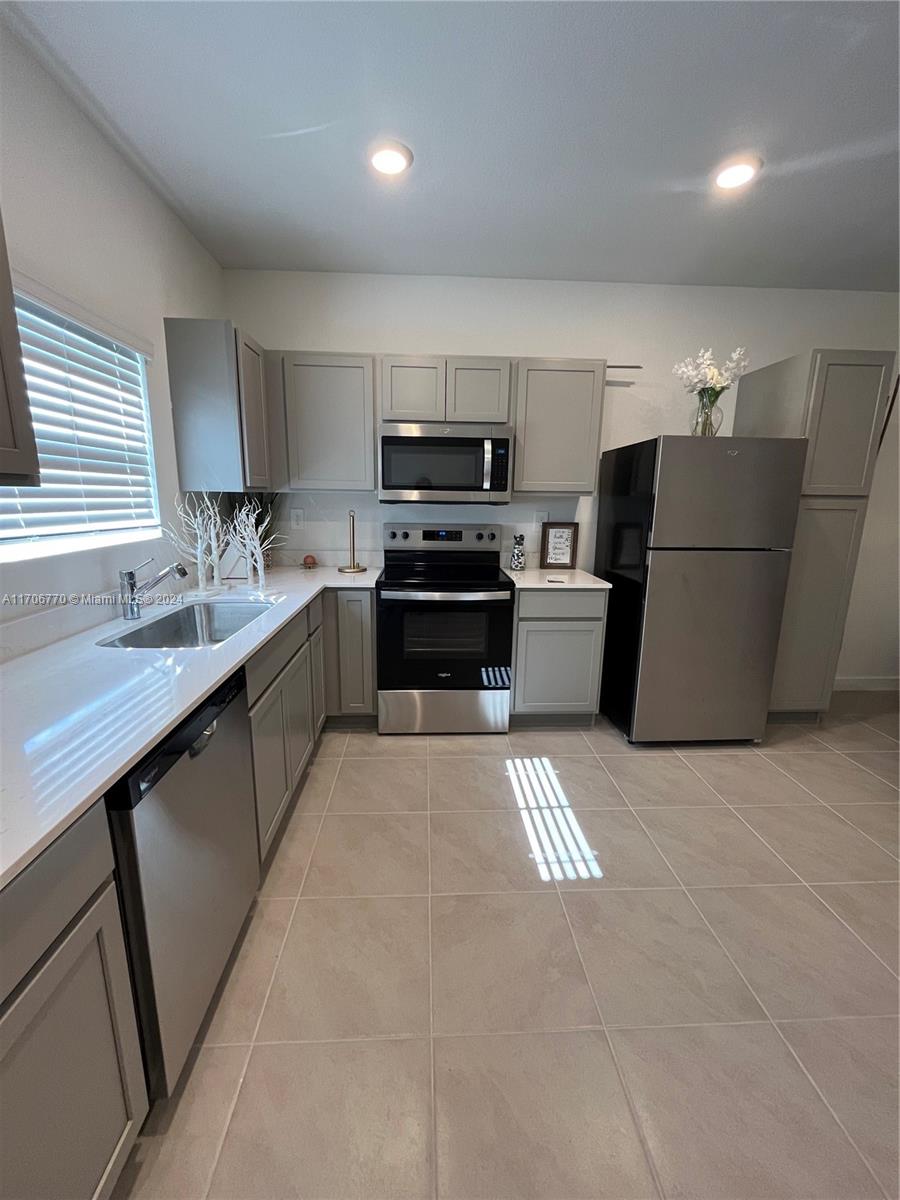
<point x="184" y="834"/>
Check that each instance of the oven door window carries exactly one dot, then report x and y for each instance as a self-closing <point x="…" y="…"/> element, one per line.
<point x="432" y="464"/>
<point x="460" y="634"/>
<point x="442" y="644"/>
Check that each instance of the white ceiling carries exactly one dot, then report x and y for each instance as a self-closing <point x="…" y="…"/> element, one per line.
<point x="551" y="140"/>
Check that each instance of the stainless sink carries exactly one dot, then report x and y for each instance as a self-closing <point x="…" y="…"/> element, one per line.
<point x="205" y="623"/>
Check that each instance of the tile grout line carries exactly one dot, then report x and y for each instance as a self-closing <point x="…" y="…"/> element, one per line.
<point x="800" y="879"/>
<point x="234" y="1102"/>
<point x="762" y="1006"/>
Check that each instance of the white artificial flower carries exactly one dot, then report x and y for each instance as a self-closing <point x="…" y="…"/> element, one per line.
<point x="704" y="372"/>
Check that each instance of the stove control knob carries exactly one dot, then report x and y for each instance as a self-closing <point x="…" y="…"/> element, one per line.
<point x="492" y="536"/>
<point x="393" y="534"/>
<point x="479" y="536"/>
<point x="405" y="534"/>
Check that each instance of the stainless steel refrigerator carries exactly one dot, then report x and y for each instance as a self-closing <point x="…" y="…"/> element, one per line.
<point x="695" y="536"/>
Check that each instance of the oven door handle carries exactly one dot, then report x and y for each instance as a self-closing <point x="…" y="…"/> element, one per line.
<point x="436" y="596"/>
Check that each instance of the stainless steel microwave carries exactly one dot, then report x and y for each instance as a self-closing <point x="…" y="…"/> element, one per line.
<point x="440" y="464"/>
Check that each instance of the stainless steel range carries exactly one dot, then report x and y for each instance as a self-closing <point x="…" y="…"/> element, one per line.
<point x="444" y="612"/>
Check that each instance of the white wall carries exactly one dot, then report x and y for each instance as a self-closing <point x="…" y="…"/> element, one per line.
<point x="625" y="323"/>
<point x="80" y="221"/>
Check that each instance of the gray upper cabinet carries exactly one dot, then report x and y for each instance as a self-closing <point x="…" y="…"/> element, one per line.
<point x="558" y="412"/>
<point x="413" y="388"/>
<point x="217" y="383"/>
<point x="836" y="398"/>
<point x="18" y="452"/>
<point x="478" y="390"/>
<point x="330" y="419"/>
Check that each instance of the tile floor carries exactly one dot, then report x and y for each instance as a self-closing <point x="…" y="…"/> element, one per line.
<point x="550" y="966"/>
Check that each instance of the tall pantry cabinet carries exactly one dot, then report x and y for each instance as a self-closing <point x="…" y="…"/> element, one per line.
<point x="837" y="399"/>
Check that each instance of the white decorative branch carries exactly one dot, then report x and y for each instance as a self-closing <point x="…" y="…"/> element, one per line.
<point x="192" y="541"/>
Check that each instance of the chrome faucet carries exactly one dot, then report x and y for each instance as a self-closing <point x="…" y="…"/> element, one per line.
<point x="131" y="591"/>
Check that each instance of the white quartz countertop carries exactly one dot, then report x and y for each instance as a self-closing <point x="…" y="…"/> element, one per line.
<point x="76" y="716"/>
<point x="532" y="580"/>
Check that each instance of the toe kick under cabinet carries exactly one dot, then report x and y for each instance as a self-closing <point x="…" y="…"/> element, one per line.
<point x="558" y="651"/>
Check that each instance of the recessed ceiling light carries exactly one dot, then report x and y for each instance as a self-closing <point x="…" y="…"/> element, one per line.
<point x="391" y="159"/>
<point x="736" y="174"/>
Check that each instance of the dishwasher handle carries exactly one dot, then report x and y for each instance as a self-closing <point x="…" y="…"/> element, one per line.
<point x="202" y="741"/>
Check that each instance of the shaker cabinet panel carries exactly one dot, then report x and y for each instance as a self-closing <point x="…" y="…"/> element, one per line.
<point x="297" y="688"/>
<point x="330" y="421"/>
<point x="317" y="670"/>
<point x="18" y="452"/>
<point x="413" y="388"/>
<point x="72" y="1093"/>
<point x="478" y="389"/>
<point x="254" y="418"/>
<point x="558" y="412"/>
<point x="354" y="620"/>
<point x="826" y="546"/>
<point x="271" y="768"/>
<point x="558" y="666"/>
<point x="849" y="392"/>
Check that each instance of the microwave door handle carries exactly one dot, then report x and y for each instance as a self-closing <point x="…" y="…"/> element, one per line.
<point x="488" y="454"/>
<point x="445" y="596"/>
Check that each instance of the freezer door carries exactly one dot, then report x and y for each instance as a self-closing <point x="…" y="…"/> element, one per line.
<point x="710" y="633"/>
<point x="732" y="493"/>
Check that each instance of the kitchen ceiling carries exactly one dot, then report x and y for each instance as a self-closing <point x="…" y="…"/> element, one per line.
<point x="550" y="140"/>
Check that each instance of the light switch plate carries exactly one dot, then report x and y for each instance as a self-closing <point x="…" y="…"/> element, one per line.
<point x="298" y="518"/>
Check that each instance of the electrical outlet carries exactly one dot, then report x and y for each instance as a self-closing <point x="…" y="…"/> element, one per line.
<point x="297" y="518"/>
<point x="540" y="517"/>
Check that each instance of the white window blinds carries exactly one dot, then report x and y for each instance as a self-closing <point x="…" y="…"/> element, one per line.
<point x="88" y="400"/>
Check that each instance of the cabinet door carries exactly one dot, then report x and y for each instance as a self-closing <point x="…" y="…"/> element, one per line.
<point x="558" y="425"/>
<point x="271" y="768"/>
<point x="330" y="417"/>
<point x="18" y="452"/>
<point x="317" y="670"/>
<point x="558" y="666"/>
<point x="478" y="389"/>
<point x="826" y="546"/>
<point x="849" y="392"/>
<point x="297" y="689"/>
<point x="355" y="651"/>
<point x="251" y="368"/>
<point x="72" y="1094"/>
<point x="413" y="389"/>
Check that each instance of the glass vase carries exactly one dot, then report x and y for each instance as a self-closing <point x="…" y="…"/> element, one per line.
<point x="707" y="420"/>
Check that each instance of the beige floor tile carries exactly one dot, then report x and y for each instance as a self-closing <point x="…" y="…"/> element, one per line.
<point x="535" y="1117"/>
<point x="879" y="821"/>
<point x="586" y="783"/>
<point x="243" y="990"/>
<point x="712" y="846"/>
<point x="370" y="855"/>
<point x="177" y="1149"/>
<point x="380" y="785"/>
<point x="748" y="779"/>
<point x="352" y="968"/>
<point x="886" y="723"/>
<point x="885" y="766"/>
<point x="871" y="910"/>
<point x="798" y="958"/>
<point x="316" y="785"/>
<point x="604" y="738"/>
<point x="331" y="743"/>
<point x="366" y="743"/>
<point x="289" y="856"/>
<point x="652" y="960"/>
<point x="452" y="744"/>
<point x="469" y="783"/>
<point x="790" y="737"/>
<point x="848" y="734"/>
<point x="622" y="851"/>
<point x="660" y="781"/>
<point x="548" y="742"/>
<point x="854" y="1063"/>
<point x="505" y="963"/>
<point x="820" y="846"/>
<point x="836" y="780"/>
<point x="727" y="1112"/>
<point x="486" y="851"/>
<point x="338" y="1120"/>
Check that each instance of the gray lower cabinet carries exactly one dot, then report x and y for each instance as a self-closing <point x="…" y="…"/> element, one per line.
<point x="317" y="669"/>
<point x="826" y="547"/>
<point x="354" y="614"/>
<point x="18" y="451"/>
<point x="298" y="718"/>
<point x="329" y="411"/>
<point x="271" y="767"/>
<point x="557" y="667"/>
<point x="72" y="1091"/>
<point x="558" y="412"/>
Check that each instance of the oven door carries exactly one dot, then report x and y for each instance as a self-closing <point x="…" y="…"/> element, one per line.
<point x="438" y="464"/>
<point x="449" y="641"/>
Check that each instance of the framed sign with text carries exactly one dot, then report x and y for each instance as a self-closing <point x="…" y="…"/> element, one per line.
<point x="559" y="544"/>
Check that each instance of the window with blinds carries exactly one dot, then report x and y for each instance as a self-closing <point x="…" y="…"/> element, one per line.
<point x="88" y="400"/>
